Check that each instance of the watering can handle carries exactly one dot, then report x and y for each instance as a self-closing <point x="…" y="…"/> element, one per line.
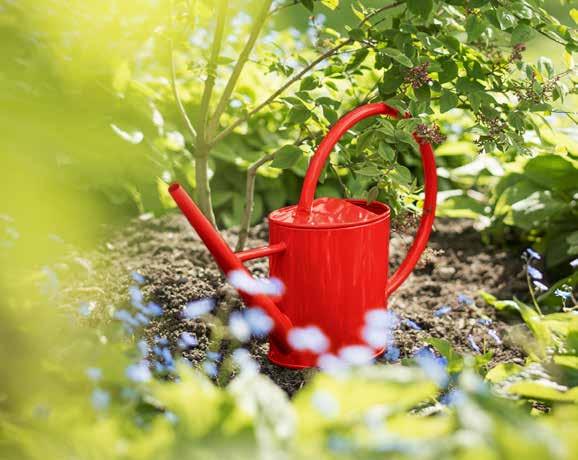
<point x="430" y="180"/>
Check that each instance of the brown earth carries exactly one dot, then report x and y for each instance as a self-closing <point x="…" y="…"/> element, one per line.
<point x="178" y="270"/>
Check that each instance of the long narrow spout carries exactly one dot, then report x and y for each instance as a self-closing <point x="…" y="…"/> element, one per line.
<point x="228" y="261"/>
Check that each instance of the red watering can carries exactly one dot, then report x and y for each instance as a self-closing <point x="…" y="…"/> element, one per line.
<point x="330" y="253"/>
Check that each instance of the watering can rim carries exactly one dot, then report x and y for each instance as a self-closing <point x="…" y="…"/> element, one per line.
<point x="305" y="223"/>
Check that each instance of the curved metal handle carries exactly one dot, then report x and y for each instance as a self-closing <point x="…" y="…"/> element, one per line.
<point x="430" y="182"/>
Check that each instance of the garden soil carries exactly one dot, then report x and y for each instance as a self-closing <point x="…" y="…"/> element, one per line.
<point x="178" y="269"/>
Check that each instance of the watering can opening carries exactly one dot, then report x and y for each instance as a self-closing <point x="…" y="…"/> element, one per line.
<point x="330" y="212"/>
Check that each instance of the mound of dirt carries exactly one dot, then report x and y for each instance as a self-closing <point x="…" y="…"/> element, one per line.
<point x="441" y="298"/>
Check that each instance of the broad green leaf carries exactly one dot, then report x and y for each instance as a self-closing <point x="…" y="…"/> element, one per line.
<point x="286" y="156"/>
<point x="369" y="171"/>
<point x="298" y="114"/>
<point x="475" y="27"/>
<point x="521" y="34"/>
<point x="309" y="83"/>
<point x="448" y="101"/>
<point x="553" y="172"/>
<point x="398" y="56"/>
<point x="503" y="371"/>
<point x="449" y="71"/>
<point x="422" y="8"/>
<point x="543" y="391"/>
<point x="506" y="19"/>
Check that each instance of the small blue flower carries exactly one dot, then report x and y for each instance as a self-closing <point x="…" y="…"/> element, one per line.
<point x="171" y="417"/>
<point x="412" y="325"/>
<point x="100" y="399"/>
<point x="392" y="354"/>
<point x="563" y="294"/>
<point x="86" y="308"/>
<point x="213" y="355"/>
<point x="485" y="321"/>
<point x="531" y="254"/>
<point x="453" y="398"/>
<point x="210" y="368"/>
<point x="258" y="321"/>
<point x="142" y="319"/>
<point x="139" y="372"/>
<point x="435" y="368"/>
<point x="198" y="308"/>
<point x="465" y="300"/>
<point x="152" y="309"/>
<point x="94" y="373"/>
<point x="494" y="335"/>
<point x="473" y="344"/>
<point x="143" y="348"/>
<point x="534" y="273"/>
<point x="135" y="295"/>
<point x="162" y="341"/>
<point x="540" y="286"/>
<point x="187" y="341"/>
<point x="137" y="277"/>
<point x="442" y="311"/>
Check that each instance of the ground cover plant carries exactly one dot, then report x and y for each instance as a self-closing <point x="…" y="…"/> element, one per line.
<point x="119" y="336"/>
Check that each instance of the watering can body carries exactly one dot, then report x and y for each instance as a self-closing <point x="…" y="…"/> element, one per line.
<point x="331" y="254"/>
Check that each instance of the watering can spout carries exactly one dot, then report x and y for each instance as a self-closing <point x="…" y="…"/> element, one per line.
<point x="228" y="261"/>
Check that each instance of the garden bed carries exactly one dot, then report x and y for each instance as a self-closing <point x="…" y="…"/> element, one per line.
<point x="441" y="299"/>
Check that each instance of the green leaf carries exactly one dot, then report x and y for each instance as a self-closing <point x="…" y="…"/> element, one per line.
<point x="286" y="156"/>
<point x="422" y="8"/>
<point x="521" y="34"/>
<point x="358" y="57"/>
<point x="449" y="71"/>
<point x="503" y="371"/>
<point x="309" y="83"/>
<point x="574" y="15"/>
<point x="385" y="152"/>
<point x="369" y="171"/>
<point x="553" y="172"/>
<point x="331" y="4"/>
<point x="398" y="56"/>
<point x="448" y="101"/>
<point x="455" y="360"/>
<point x="298" y="114"/>
<point x="506" y="19"/>
<point x="307" y="4"/>
<point x="542" y="392"/>
<point x="475" y="27"/>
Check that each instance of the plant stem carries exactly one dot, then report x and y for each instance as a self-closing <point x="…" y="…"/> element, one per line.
<point x="532" y="294"/>
<point x="177" y="97"/>
<point x="250" y="200"/>
<point x="203" y="148"/>
<point x="203" y="185"/>
<point x="243" y="58"/>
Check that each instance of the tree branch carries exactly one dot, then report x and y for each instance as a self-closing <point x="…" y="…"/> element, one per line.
<point x="177" y="97"/>
<point x="212" y="70"/>
<point x="250" y="199"/>
<point x="243" y="57"/>
<point x="299" y="75"/>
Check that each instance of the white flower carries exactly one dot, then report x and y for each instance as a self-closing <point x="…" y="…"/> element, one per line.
<point x="242" y="281"/>
<point x="325" y="403"/>
<point x="356" y="355"/>
<point x="198" y="308"/>
<point x="308" y="338"/>
<point x="239" y="327"/>
<point x="258" y="321"/>
<point x="331" y="364"/>
<point x="139" y="372"/>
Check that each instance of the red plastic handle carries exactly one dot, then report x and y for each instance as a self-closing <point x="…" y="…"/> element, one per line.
<point x="430" y="183"/>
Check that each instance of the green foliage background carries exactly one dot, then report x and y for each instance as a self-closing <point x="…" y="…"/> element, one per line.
<point x="91" y="133"/>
